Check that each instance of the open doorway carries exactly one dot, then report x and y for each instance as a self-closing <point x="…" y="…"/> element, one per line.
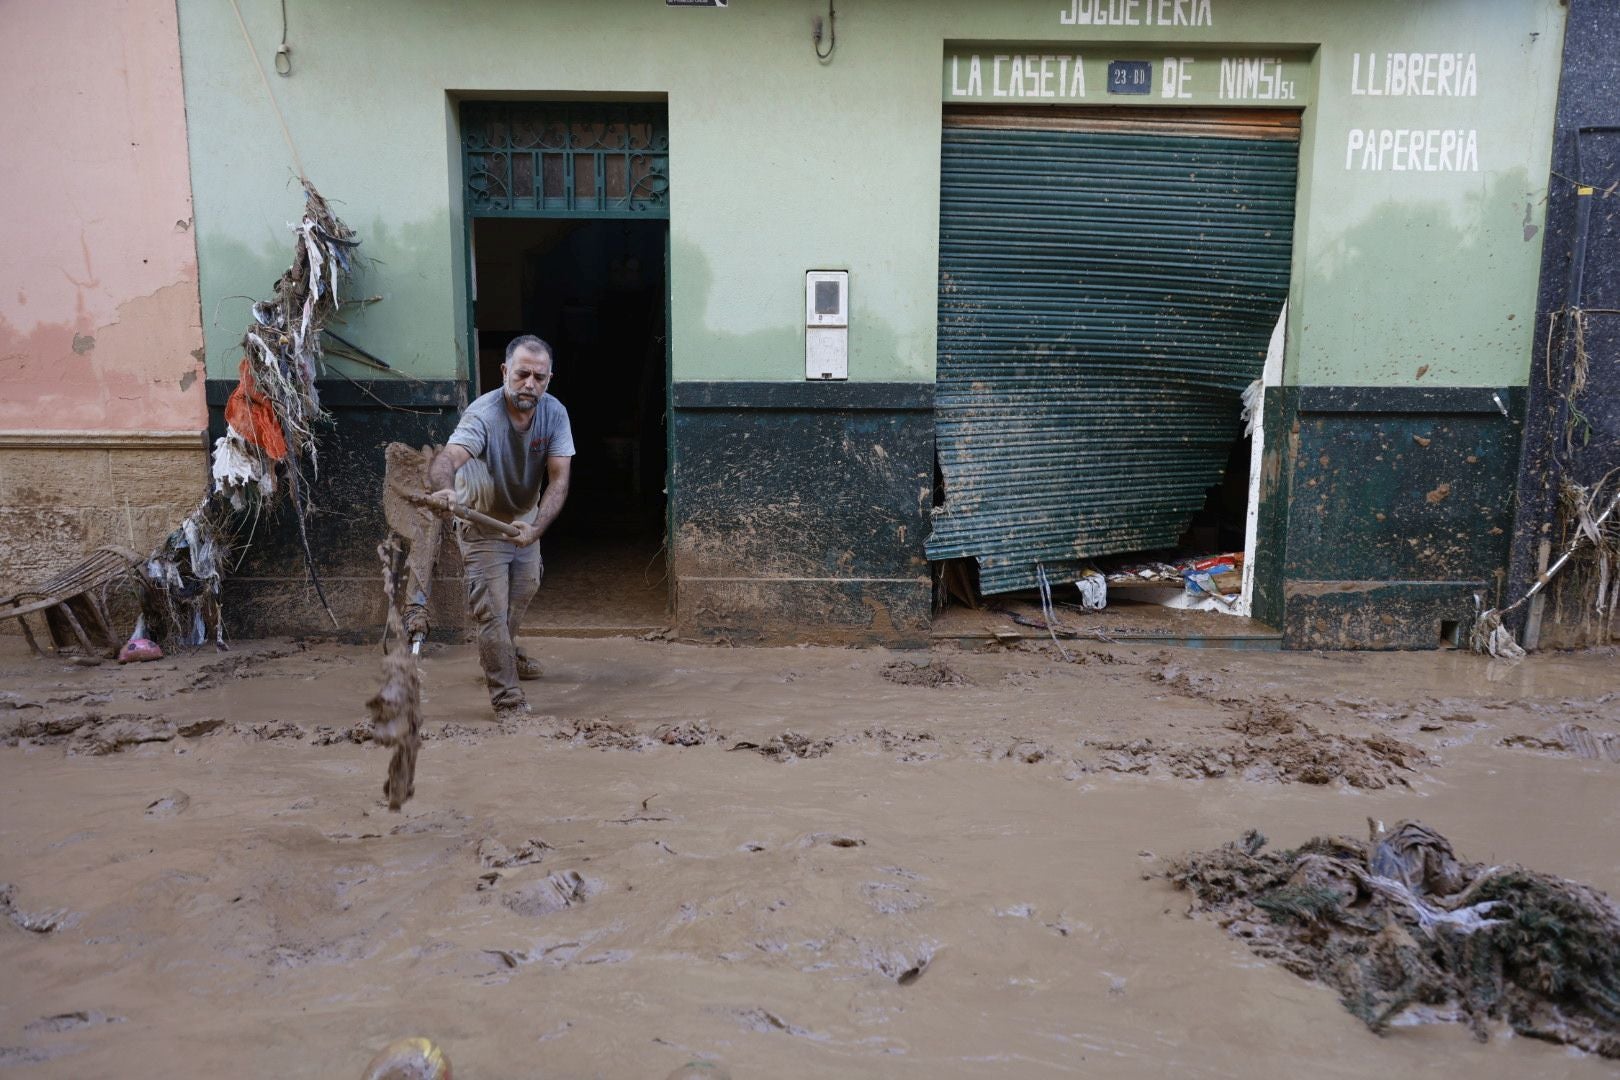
<point x="595" y="290"/>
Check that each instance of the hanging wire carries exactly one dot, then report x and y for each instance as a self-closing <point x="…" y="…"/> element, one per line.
<point x="832" y="33"/>
<point x="284" y="54"/>
<point x="1047" y="611"/>
<point x="298" y="162"/>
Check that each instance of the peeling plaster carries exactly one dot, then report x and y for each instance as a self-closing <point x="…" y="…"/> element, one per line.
<point x="115" y="376"/>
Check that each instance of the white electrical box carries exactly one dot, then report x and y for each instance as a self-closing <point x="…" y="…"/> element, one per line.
<point x="826" y="324"/>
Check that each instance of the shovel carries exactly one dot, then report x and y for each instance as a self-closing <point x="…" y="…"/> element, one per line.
<point x="465" y="513"/>
<point x="411" y="513"/>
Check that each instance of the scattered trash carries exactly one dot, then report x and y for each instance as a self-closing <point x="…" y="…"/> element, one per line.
<point x="685" y="733"/>
<point x="1490" y="636"/>
<point x="170" y="805"/>
<point x="492" y="854"/>
<point x="409" y="1059"/>
<point x="1221" y="575"/>
<point x="933" y="673"/>
<point x="1407" y="932"/>
<point x="788" y="746"/>
<point x="1093" y="587"/>
<point x="138" y="650"/>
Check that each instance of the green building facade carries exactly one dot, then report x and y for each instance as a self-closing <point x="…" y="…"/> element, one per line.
<point x="1171" y="191"/>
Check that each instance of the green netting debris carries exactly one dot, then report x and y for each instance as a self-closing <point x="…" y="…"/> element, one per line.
<point x="1409" y="933"/>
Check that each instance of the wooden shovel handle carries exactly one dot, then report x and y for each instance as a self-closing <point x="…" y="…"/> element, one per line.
<point x="465" y="513"/>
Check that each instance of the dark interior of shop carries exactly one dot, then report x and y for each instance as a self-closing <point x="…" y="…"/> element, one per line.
<point x="595" y="291"/>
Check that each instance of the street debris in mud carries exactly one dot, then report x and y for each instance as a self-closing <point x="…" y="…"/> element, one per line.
<point x="933" y="673"/>
<point x="788" y="746"/>
<point x="35" y="922"/>
<point x="1268" y="744"/>
<point x="1576" y="739"/>
<point x="686" y="733"/>
<point x="1407" y="932"/>
<point x="962" y="844"/>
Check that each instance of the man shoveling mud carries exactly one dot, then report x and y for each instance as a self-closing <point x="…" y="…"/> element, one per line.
<point x="508" y="442"/>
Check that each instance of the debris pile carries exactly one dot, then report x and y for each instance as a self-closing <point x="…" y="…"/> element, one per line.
<point x="1407" y="932"/>
<point x="1586" y="512"/>
<point x="269" y="441"/>
<point x="934" y="673"/>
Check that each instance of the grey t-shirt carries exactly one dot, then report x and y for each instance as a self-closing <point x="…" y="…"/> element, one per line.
<point x="516" y="459"/>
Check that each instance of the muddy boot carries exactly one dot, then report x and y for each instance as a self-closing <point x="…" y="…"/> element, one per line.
<point x="528" y="668"/>
<point x="511" y="710"/>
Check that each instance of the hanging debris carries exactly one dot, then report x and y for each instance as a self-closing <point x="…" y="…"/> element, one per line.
<point x="396" y="713"/>
<point x="1591" y="525"/>
<point x="269" y="441"/>
<point x="418" y="527"/>
<point x="1407" y="932"/>
<point x="180" y="581"/>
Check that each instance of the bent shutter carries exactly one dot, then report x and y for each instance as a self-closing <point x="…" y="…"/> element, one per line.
<point x="1108" y="288"/>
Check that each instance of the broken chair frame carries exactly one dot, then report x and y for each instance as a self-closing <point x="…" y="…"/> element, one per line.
<point x="72" y="599"/>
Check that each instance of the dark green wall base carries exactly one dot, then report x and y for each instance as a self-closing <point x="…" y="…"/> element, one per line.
<point x="268" y="594"/>
<point x="814" y="611"/>
<point x="800" y="511"/>
<point x="1388" y="511"/>
<point x="1378" y="615"/>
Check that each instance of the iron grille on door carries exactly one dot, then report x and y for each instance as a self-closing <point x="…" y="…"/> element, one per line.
<point x="556" y="159"/>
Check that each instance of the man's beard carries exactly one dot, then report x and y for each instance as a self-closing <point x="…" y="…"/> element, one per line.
<point x="523" y="403"/>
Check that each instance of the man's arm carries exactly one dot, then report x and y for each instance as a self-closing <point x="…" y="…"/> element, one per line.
<point x="551" y="503"/>
<point x="442" y="473"/>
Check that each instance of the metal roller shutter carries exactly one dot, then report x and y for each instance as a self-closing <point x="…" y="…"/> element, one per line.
<point x="1108" y="288"/>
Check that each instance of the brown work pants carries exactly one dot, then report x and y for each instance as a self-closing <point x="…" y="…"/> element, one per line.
<point x="501" y="580"/>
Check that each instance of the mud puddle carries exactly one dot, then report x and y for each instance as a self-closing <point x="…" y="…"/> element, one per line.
<point x="785" y="860"/>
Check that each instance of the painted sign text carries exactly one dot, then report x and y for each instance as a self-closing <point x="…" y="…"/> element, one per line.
<point x="1418" y="74"/>
<point x="1136" y="13"/>
<point x="1026" y="76"/>
<point x="1412" y="150"/>
<point x="1258" y="78"/>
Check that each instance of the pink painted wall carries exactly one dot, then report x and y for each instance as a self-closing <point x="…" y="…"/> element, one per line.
<point x="99" y="321"/>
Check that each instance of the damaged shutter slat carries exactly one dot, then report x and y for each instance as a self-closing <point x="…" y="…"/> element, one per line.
<point x="1107" y="289"/>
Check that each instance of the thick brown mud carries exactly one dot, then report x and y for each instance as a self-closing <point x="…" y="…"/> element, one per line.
<point x="796" y="862"/>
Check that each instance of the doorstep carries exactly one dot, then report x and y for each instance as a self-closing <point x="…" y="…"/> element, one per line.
<point x="1124" y="622"/>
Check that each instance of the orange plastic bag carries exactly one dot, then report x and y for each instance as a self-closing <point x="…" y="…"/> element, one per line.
<point x="249" y="412"/>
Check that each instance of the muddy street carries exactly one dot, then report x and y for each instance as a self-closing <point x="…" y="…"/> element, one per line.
<point x="801" y="862"/>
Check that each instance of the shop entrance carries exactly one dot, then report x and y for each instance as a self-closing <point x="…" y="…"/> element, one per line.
<point x="1110" y="283"/>
<point x="568" y="239"/>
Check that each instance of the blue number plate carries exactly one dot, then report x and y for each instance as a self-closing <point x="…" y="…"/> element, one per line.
<point x="1130" y="76"/>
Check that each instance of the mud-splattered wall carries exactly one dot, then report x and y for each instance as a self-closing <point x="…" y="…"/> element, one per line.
<point x="1572" y="426"/>
<point x="1425" y="135"/>
<point x="101" y="360"/>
